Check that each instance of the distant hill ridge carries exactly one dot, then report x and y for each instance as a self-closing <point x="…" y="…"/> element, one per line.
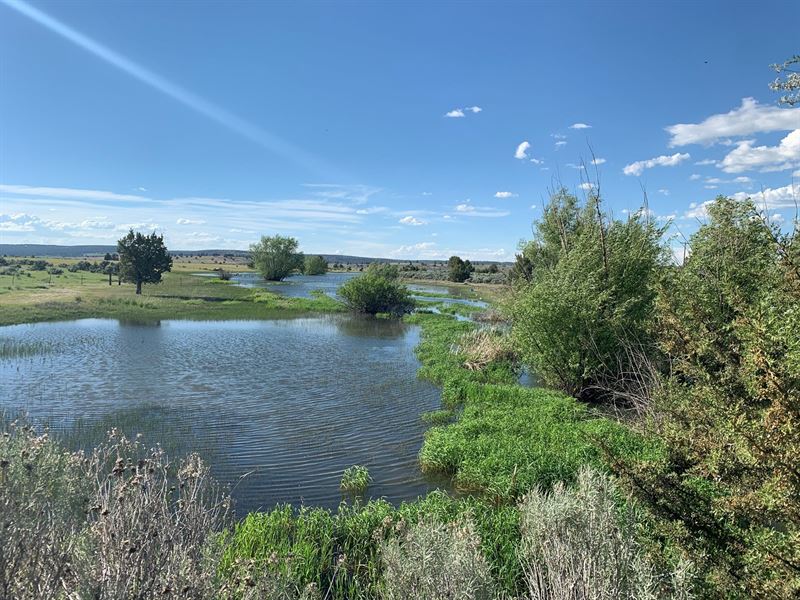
<point x="100" y="250"/>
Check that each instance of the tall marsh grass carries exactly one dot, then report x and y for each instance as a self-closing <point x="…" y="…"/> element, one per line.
<point x="12" y="349"/>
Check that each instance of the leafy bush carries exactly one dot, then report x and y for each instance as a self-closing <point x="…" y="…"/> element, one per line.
<point x="276" y="257"/>
<point x="592" y="295"/>
<point x="728" y="489"/>
<point x="377" y="291"/>
<point x="436" y="561"/>
<point x="458" y="269"/>
<point x="315" y="265"/>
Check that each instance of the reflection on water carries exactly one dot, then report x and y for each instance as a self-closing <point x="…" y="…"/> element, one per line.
<point x="296" y="286"/>
<point x="291" y="402"/>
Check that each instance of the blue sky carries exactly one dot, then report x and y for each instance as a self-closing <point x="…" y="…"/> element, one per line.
<point x="407" y="129"/>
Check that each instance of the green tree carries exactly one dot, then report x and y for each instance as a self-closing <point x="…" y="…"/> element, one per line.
<point x="275" y="257"/>
<point x="459" y="270"/>
<point x="315" y="265"/>
<point x="377" y="290"/>
<point x="728" y="489"/>
<point x="143" y="258"/>
<point x="590" y="297"/>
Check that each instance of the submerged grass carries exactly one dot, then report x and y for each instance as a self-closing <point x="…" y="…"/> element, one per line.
<point x="10" y="349"/>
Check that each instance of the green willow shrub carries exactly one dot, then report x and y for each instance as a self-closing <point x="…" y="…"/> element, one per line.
<point x="275" y="257"/>
<point x="459" y="270"/>
<point x="728" y="488"/>
<point x="591" y="295"/>
<point x="377" y="291"/>
<point x="315" y="265"/>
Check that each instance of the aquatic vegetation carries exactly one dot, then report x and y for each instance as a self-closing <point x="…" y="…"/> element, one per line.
<point x="438" y="417"/>
<point x="509" y="439"/>
<point x="355" y="479"/>
<point x="16" y="349"/>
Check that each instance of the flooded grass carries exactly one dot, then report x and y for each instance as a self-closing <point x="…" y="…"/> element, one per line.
<point x="355" y="480"/>
<point x="10" y="349"/>
<point x="507" y="438"/>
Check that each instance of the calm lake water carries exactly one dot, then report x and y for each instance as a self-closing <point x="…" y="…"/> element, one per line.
<point x="290" y="403"/>
<point x="301" y="286"/>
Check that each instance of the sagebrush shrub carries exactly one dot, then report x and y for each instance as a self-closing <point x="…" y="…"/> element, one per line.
<point x="433" y="560"/>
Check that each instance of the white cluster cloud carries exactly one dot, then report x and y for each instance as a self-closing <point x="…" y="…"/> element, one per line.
<point x="458" y="113"/>
<point x="411" y="220"/>
<point x="503" y="195"/>
<point x="747" y="157"/>
<point x="598" y="161"/>
<point x="190" y="221"/>
<point x="638" y="167"/>
<point x="751" y="117"/>
<point x="522" y="150"/>
<point x="783" y="197"/>
<point x="580" y="126"/>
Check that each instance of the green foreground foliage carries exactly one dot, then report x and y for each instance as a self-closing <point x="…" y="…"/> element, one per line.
<point x="707" y="353"/>
<point x="728" y="489"/>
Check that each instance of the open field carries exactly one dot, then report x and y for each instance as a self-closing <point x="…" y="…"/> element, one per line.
<point x="38" y="296"/>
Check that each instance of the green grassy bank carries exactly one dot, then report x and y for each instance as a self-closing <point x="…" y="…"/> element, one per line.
<point x="41" y="297"/>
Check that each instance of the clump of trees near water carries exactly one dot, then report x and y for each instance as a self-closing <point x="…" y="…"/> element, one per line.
<point x="706" y="351"/>
<point x="276" y="257"/>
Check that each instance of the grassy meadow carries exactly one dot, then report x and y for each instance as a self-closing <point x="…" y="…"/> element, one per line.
<point x="34" y="296"/>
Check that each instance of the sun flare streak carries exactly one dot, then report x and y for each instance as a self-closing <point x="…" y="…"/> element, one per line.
<point x="198" y="104"/>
